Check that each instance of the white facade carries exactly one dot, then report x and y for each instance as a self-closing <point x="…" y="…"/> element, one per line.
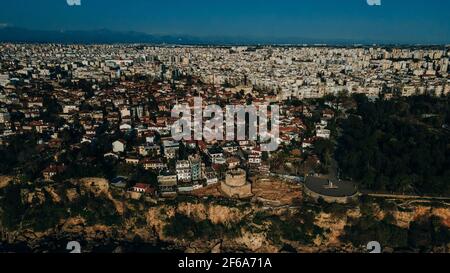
<point x="118" y="146"/>
<point x="183" y="170"/>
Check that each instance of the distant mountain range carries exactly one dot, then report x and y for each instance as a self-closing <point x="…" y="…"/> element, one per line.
<point x="22" y="35"/>
<point x="104" y="36"/>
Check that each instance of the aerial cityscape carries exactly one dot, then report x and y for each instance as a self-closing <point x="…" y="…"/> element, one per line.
<point x="199" y="146"/>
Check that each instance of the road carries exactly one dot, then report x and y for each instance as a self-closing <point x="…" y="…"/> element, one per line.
<point x="399" y="196"/>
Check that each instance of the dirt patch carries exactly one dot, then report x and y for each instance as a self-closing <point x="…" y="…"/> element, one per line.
<point x="212" y="190"/>
<point x="269" y="191"/>
<point x="276" y="191"/>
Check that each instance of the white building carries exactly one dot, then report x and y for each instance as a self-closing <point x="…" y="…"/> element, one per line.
<point x="4" y="79"/>
<point x="119" y="146"/>
<point x="183" y="169"/>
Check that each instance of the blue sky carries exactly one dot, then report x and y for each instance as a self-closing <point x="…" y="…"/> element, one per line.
<point x="416" y="21"/>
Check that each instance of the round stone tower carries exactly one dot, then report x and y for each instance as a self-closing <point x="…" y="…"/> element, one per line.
<point x="236" y="185"/>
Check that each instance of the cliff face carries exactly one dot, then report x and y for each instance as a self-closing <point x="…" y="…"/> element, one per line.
<point x="158" y="218"/>
<point x="5" y="181"/>
<point x="89" y="210"/>
<point x="404" y="218"/>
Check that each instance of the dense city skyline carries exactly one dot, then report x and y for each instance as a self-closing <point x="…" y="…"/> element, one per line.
<point x="92" y="155"/>
<point x="307" y="21"/>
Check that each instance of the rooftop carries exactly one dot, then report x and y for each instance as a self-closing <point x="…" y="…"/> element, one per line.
<point x="335" y="189"/>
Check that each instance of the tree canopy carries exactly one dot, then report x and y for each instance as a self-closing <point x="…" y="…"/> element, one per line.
<point x="399" y="145"/>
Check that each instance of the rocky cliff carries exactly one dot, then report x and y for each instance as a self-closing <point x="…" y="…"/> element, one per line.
<point x="90" y="211"/>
